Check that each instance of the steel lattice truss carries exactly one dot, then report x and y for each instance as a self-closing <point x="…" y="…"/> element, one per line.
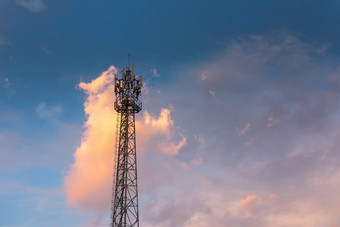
<point x="125" y="190"/>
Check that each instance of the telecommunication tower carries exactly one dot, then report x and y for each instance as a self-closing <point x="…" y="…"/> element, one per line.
<point x="125" y="190"/>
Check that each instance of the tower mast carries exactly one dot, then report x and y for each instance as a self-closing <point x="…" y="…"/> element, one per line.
<point x="125" y="190"/>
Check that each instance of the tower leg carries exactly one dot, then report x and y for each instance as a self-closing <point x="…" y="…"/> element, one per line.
<point x="125" y="205"/>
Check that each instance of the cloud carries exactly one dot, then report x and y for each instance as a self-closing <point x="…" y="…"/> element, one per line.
<point x="289" y="90"/>
<point x="88" y="183"/>
<point x="246" y="128"/>
<point x="35" y="6"/>
<point x="5" y="82"/>
<point x="197" y="161"/>
<point x="91" y="173"/>
<point x="161" y="130"/>
<point x="271" y="121"/>
<point x="204" y="76"/>
<point x="45" y="205"/>
<point x="201" y="141"/>
<point x="245" y="203"/>
<point x="288" y="176"/>
<point x="3" y="40"/>
<point x="250" y="141"/>
<point x="47" y="50"/>
<point x="155" y="73"/>
<point x="172" y="148"/>
<point x="45" y="111"/>
<point x="212" y="93"/>
<point x="21" y="150"/>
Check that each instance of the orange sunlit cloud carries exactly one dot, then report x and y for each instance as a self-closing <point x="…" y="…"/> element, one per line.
<point x="91" y="173"/>
<point x="151" y="127"/>
<point x="244" y="203"/>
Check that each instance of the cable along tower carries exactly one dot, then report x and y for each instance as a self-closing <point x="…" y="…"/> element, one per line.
<point x="125" y="190"/>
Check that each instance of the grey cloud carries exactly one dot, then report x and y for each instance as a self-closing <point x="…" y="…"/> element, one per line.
<point x="275" y="76"/>
<point x="46" y="111"/>
<point x="35" y="6"/>
<point x="3" y="40"/>
<point x="47" y="50"/>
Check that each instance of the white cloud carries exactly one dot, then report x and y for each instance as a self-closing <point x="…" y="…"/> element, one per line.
<point x="35" y="6"/>
<point x="45" y="111"/>
<point x="155" y="73"/>
<point x="5" y="82"/>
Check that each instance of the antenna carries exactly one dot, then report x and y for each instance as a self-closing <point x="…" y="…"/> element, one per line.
<point x="129" y="61"/>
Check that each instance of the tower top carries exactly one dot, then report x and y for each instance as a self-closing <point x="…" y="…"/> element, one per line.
<point x="128" y="89"/>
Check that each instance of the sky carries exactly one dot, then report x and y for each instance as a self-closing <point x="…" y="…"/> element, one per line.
<point x="241" y="111"/>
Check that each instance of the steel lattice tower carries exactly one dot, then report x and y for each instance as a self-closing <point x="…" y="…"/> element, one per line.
<point x="125" y="190"/>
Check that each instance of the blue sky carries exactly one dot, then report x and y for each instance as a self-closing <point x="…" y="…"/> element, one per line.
<point x="252" y="86"/>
